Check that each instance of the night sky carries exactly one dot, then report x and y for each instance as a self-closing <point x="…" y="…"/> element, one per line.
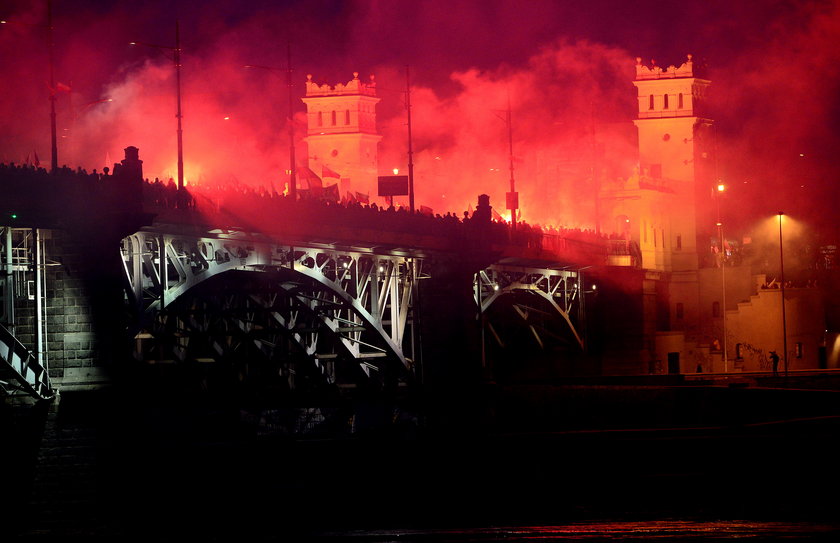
<point x="567" y="67"/>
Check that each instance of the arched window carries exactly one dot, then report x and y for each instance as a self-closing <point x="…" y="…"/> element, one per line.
<point x="650" y="102"/>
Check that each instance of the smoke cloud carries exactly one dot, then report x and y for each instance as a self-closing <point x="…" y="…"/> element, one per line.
<point x="565" y="71"/>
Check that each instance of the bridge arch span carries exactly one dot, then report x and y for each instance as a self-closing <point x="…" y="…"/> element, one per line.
<point x="333" y="304"/>
<point x="523" y="308"/>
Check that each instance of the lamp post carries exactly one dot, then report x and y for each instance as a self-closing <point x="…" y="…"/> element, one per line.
<point x="784" y="320"/>
<point x="176" y="57"/>
<point x="721" y="188"/>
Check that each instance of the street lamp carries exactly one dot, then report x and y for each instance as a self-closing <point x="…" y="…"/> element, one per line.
<point x="784" y="321"/>
<point x="177" y="60"/>
<point x="721" y="188"/>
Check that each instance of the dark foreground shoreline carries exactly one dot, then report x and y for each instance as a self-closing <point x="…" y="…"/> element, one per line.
<point x="110" y="465"/>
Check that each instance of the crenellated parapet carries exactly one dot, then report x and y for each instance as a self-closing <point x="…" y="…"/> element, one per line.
<point x="353" y="87"/>
<point x="686" y="69"/>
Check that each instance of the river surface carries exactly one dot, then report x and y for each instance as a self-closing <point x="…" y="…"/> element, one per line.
<point x="140" y="471"/>
<point x="658" y="530"/>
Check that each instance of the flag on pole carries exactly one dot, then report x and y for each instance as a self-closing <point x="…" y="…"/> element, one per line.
<point x="331" y="193"/>
<point x="425" y="210"/>
<point x="362" y="198"/>
<point x="327" y="172"/>
<point x="311" y="177"/>
<point x="32" y="159"/>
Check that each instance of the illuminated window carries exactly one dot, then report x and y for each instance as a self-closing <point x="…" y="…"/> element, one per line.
<point x="347" y="116"/>
<point x="715" y="309"/>
<point x="680" y="310"/>
<point x="320" y="118"/>
<point x="798" y="349"/>
<point x="680" y="101"/>
<point x="650" y="106"/>
<point x="666" y="101"/>
<point x="333" y="118"/>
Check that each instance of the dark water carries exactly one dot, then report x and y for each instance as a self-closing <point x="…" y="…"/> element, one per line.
<point x="658" y="530"/>
<point x="155" y="472"/>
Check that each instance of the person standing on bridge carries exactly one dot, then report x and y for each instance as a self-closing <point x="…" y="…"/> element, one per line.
<point x="774" y="358"/>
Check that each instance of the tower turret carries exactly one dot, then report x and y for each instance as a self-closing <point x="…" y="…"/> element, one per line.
<point x="675" y="155"/>
<point x="341" y="136"/>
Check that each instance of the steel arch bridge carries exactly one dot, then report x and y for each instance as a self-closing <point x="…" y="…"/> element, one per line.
<point x="332" y="305"/>
<point x="534" y="294"/>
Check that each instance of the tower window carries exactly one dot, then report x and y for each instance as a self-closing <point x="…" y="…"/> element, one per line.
<point x="320" y="118"/>
<point x="650" y="102"/>
<point x="680" y="101"/>
<point x="665" y="101"/>
<point x="738" y="354"/>
<point x="333" y="118"/>
<point x="347" y="116"/>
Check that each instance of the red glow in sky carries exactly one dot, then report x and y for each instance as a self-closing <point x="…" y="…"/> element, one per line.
<point x="567" y="69"/>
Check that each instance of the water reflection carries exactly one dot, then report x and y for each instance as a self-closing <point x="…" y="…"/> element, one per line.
<point x="660" y="530"/>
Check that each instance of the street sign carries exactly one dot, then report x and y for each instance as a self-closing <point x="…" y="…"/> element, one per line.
<point x="393" y="185"/>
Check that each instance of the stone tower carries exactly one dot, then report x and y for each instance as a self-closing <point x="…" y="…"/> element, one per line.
<point x="665" y="206"/>
<point x="675" y="161"/>
<point x="341" y="137"/>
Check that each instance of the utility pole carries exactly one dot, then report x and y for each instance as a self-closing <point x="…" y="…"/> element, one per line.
<point x="177" y="57"/>
<point x="54" y="143"/>
<point x="512" y="196"/>
<point x="292" y="166"/>
<point x="410" y="150"/>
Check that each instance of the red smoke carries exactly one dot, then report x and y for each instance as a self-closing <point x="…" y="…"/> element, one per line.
<point x="566" y="70"/>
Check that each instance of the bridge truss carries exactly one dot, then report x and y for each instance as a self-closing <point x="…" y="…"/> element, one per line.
<point x="313" y="308"/>
<point x="536" y="296"/>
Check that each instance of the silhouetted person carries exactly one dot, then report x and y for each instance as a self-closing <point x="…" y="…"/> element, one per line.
<point x="774" y="358"/>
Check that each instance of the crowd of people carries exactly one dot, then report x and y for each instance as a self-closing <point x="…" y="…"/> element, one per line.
<point x="242" y="206"/>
